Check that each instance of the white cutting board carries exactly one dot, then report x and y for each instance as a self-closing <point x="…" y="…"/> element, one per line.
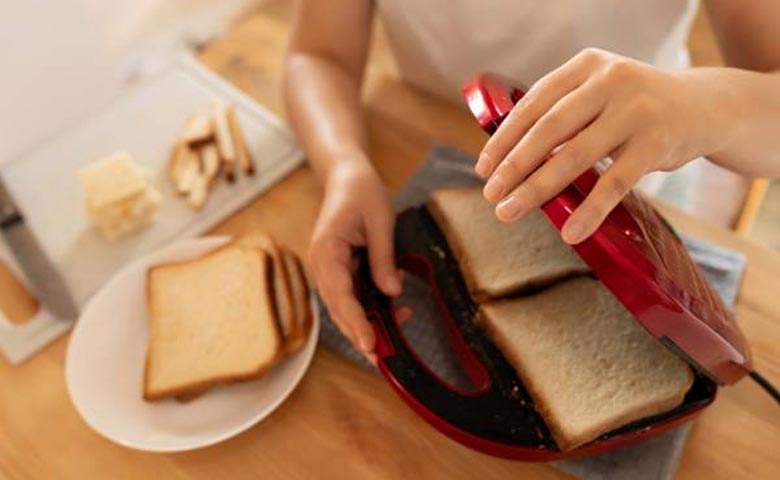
<point x="145" y="122"/>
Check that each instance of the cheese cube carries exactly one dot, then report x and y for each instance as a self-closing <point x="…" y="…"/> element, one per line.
<point x="119" y="198"/>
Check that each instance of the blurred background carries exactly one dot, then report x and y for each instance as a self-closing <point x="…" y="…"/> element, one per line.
<point x="62" y="59"/>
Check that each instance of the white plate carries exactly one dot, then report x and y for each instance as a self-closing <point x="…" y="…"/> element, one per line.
<point x="105" y="363"/>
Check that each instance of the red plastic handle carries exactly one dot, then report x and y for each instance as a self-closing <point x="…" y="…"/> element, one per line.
<point x="491" y="97"/>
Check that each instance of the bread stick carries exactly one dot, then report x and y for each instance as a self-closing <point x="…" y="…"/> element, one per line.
<point x="204" y="180"/>
<point x="224" y="140"/>
<point x="183" y="167"/>
<point x="239" y="141"/>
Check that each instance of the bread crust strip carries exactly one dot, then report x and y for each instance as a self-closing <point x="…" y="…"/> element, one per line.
<point x="224" y="139"/>
<point x="198" y="129"/>
<point x="183" y="167"/>
<point x="207" y="174"/>
<point x="245" y="160"/>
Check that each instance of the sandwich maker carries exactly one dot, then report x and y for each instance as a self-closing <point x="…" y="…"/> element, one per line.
<point x="634" y="253"/>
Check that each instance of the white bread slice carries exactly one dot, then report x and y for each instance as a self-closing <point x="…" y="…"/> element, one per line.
<point x="589" y="366"/>
<point x="299" y="290"/>
<point x="498" y="259"/>
<point x="283" y="298"/>
<point x="211" y="321"/>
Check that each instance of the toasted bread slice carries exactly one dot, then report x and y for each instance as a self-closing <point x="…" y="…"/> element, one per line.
<point x="211" y="321"/>
<point x="299" y="289"/>
<point x="587" y="363"/>
<point x="283" y="297"/>
<point x="498" y="259"/>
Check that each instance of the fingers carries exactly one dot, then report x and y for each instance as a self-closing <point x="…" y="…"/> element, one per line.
<point x="537" y="101"/>
<point x="332" y="262"/>
<point x="379" y="236"/>
<point x="613" y="185"/>
<point x="577" y="155"/>
<point x="567" y="117"/>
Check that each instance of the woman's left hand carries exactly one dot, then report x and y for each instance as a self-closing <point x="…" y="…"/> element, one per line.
<point x="599" y="104"/>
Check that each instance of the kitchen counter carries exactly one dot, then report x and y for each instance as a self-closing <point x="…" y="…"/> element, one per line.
<point x="344" y="422"/>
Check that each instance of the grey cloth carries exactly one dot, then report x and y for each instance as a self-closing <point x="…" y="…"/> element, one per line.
<point x="654" y="459"/>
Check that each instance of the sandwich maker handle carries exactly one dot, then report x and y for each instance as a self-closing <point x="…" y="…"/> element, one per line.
<point x="491" y="97"/>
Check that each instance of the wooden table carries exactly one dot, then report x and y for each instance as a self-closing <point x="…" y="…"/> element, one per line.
<point x="344" y="422"/>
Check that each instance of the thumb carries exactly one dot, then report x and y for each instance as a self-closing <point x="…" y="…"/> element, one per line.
<point x="379" y="236"/>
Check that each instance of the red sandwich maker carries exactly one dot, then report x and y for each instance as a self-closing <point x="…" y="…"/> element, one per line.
<point x="634" y="253"/>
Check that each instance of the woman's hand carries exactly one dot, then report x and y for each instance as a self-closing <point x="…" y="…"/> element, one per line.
<point x="599" y="104"/>
<point x="356" y="212"/>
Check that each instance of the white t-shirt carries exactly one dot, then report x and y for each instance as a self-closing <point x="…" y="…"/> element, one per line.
<point x="439" y="44"/>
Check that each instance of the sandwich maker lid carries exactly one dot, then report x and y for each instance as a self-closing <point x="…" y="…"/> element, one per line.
<point x="639" y="258"/>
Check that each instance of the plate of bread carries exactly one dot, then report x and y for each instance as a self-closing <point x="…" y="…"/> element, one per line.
<point x="193" y="344"/>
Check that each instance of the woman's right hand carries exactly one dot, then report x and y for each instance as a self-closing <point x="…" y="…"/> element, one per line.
<point x="356" y="212"/>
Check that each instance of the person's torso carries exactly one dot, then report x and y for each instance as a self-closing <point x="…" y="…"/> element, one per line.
<point x="438" y="44"/>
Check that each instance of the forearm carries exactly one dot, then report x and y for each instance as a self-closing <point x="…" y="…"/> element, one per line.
<point x="324" y="108"/>
<point x="749" y="103"/>
<point x="746" y="34"/>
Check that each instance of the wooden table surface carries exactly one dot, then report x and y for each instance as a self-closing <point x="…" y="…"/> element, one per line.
<point x="344" y="422"/>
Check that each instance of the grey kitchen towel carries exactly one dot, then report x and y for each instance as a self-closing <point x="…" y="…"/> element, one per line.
<point x="654" y="459"/>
